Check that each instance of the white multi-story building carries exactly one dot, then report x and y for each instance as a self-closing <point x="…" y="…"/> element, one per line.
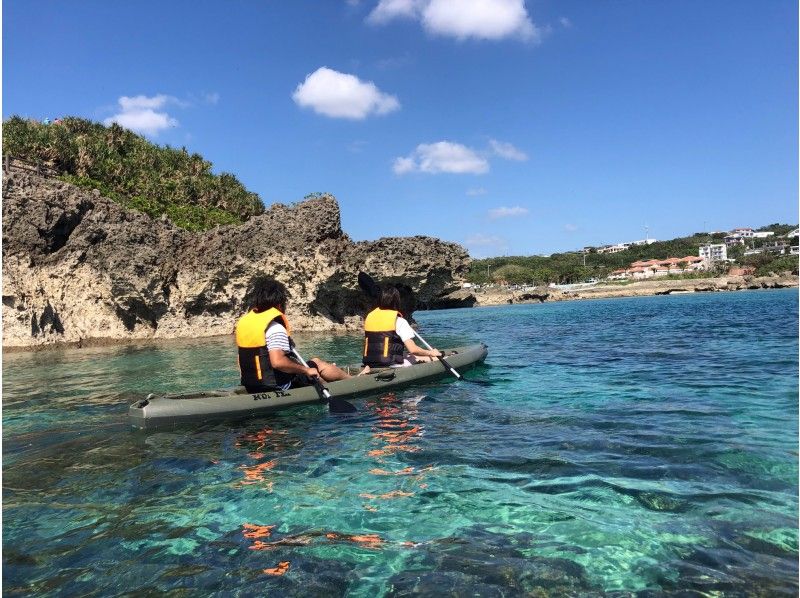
<point x="738" y="236"/>
<point x="613" y="248"/>
<point x="714" y="253"/>
<point x="623" y="246"/>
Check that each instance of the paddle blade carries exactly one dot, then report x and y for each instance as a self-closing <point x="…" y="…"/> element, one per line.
<point x="368" y="285"/>
<point x="337" y="405"/>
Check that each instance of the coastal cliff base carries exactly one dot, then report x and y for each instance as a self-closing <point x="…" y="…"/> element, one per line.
<point x="505" y="295"/>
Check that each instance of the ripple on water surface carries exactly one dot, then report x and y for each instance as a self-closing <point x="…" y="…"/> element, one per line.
<point x="640" y="444"/>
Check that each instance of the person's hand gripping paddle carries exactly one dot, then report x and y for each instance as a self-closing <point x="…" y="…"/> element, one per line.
<point x="335" y="404"/>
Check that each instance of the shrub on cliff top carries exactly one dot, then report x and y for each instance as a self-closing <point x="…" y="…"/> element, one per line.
<point x="133" y="171"/>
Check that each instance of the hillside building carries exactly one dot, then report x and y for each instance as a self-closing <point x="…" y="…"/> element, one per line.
<point x="623" y="246"/>
<point x="654" y="268"/>
<point x="714" y="253"/>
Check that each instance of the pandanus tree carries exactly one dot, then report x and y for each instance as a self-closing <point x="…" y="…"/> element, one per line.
<point x="133" y="171"/>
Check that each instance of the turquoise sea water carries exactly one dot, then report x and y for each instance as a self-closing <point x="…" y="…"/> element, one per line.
<point x="632" y="446"/>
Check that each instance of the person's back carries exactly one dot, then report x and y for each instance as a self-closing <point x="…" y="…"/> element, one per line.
<point x="388" y="337"/>
<point x="268" y="299"/>
<point x="267" y="358"/>
<point x="383" y="346"/>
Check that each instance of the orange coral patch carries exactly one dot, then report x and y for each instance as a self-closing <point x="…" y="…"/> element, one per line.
<point x="255" y="473"/>
<point x="370" y="540"/>
<point x="396" y="494"/>
<point x="282" y="568"/>
<point x="257" y="531"/>
<point x="405" y="471"/>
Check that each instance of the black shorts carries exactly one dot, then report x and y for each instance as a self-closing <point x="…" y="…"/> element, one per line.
<point x="297" y="381"/>
<point x="301" y="380"/>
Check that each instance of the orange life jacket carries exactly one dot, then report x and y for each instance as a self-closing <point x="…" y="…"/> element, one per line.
<point x="257" y="372"/>
<point x="382" y="345"/>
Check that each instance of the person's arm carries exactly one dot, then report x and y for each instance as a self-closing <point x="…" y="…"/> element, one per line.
<point x="280" y="361"/>
<point x="279" y="345"/>
<point x="412" y="348"/>
<point x="406" y="334"/>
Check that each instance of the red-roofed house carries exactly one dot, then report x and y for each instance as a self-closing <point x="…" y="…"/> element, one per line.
<point x="649" y="268"/>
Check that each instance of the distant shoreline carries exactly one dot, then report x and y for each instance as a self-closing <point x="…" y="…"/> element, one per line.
<point x="493" y="296"/>
<point x="488" y="297"/>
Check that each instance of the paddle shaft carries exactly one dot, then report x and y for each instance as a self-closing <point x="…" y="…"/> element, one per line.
<point x="315" y="380"/>
<point x="440" y="358"/>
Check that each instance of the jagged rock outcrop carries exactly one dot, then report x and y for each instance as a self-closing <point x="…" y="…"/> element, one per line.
<point x="78" y="267"/>
<point x="456" y="299"/>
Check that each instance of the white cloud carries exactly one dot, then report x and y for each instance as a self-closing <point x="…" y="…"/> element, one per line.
<point x="211" y="98"/>
<point x="565" y="22"/>
<point x="480" y="244"/>
<point x="386" y="10"/>
<point x="477" y="191"/>
<point x="142" y="102"/>
<point x="507" y="212"/>
<point x="143" y="114"/>
<point x="462" y="19"/>
<point x="507" y="151"/>
<point x="340" y="95"/>
<point x="442" y="156"/>
<point x="570" y="228"/>
<point x="404" y="165"/>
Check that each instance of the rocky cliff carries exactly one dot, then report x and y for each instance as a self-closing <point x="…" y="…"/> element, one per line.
<point x="78" y="267"/>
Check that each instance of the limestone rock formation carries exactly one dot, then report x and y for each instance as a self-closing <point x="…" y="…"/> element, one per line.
<point x="459" y="298"/>
<point x="78" y="267"/>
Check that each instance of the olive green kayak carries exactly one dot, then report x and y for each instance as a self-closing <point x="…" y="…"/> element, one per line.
<point x="166" y="411"/>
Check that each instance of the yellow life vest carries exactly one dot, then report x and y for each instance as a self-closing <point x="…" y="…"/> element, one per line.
<point x="254" y="364"/>
<point x="382" y="345"/>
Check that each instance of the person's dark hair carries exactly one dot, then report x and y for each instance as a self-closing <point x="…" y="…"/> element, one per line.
<point x="265" y="292"/>
<point x="390" y="298"/>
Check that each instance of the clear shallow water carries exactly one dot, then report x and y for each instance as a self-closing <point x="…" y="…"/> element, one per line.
<point x="639" y="445"/>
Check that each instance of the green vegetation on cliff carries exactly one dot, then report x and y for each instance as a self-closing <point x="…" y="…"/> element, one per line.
<point x="565" y="268"/>
<point x="133" y="171"/>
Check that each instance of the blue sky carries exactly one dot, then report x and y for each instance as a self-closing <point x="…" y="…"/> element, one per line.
<point x="510" y="127"/>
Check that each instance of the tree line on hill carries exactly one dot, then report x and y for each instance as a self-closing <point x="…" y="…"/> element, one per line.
<point x="132" y="171"/>
<point x="568" y="267"/>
